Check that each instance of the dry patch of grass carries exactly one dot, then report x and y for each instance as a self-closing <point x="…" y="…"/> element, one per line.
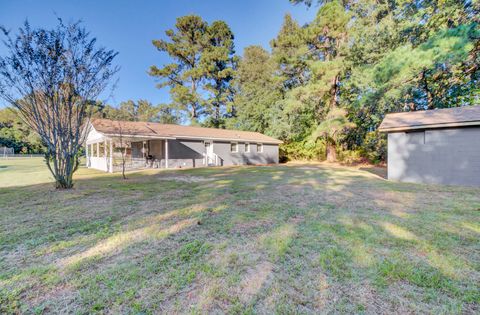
<point x="186" y="178"/>
<point x="298" y="238"/>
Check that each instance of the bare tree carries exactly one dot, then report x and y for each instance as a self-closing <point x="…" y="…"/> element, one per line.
<point x="53" y="77"/>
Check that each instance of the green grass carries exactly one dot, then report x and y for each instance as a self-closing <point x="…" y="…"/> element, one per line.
<point x="294" y="238"/>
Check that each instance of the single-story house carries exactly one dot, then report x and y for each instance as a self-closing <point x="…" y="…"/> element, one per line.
<point x="440" y="146"/>
<point x="146" y="144"/>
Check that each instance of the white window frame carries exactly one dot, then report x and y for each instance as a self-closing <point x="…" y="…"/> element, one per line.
<point x="261" y="147"/>
<point x="236" y="147"/>
<point x="247" y="147"/>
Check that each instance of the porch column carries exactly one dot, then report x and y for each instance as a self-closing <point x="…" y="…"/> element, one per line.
<point x="166" y="153"/>
<point x="111" y="156"/>
<point x="87" y="158"/>
<point x="105" y="153"/>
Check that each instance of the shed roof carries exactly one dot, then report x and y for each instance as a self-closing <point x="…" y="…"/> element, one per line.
<point x="148" y="129"/>
<point x="429" y="119"/>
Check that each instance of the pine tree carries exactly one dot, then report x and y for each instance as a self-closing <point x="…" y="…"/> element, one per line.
<point x="219" y="60"/>
<point x="186" y="73"/>
<point x="327" y="41"/>
<point x="289" y="51"/>
<point x="203" y="67"/>
<point x="258" y="91"/>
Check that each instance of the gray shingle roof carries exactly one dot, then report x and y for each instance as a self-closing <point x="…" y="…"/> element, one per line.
<point x="428" y="119"/>
<point x="140" y="128"/>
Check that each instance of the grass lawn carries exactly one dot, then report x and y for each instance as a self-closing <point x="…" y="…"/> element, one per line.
<point x="297" y="238"/>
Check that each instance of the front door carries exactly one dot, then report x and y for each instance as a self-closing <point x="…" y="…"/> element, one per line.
<point x="209" y="156"/>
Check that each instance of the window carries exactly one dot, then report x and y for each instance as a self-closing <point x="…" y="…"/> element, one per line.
<point x="247" y="147"/>
<point x="101" y="149"/>
<point x="234" y="147"/>
<point x="259" y="147"/>
<point x="94" y="151"/>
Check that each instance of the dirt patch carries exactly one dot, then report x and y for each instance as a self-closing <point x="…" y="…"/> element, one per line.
<point x="254" y="280"/>
<point x="56" y="298"/>
<point x="186" y="178"/>
<point x="296" y="219"/>
<point x="247" y="226"/>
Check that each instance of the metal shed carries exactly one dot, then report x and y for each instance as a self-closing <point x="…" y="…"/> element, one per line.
<point x="440" y="146"/>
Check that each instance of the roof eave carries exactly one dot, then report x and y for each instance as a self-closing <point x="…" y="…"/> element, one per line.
<point x="273" y="141"/>
<point x="189" y="137"/>
<point x="173" y="136"/>
<point x="137" y="136"/>
<point x="430" y="126"/>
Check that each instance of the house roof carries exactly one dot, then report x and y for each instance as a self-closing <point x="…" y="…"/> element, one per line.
<point x="429" y="119"/>
<point x="157" y="130"/>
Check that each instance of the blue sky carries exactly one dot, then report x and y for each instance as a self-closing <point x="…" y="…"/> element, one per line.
<point x="129" y="27"/>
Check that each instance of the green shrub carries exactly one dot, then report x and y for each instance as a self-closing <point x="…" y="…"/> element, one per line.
<point x="349" y="156"/>
<point x="303" y="150"/>
<point x="374" y="147"/>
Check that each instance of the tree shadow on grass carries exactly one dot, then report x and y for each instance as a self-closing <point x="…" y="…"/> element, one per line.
<point x="381" y="172"/>
<point x="309" y="236"/>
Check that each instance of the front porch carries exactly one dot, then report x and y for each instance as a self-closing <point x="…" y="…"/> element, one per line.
<point x="110" y="153"/>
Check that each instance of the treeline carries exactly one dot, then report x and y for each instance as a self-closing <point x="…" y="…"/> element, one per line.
<point x="141" y="110"/>
<point x="14" y="133"/>
<point x="325" y="86"/>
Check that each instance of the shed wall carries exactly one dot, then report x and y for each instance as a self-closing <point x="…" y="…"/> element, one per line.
<point x="437" y="156"/>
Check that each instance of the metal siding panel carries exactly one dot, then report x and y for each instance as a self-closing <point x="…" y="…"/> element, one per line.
<point x="448" y="156"/>
<point x="185" y="153"/>
<point x="268" y="156"/>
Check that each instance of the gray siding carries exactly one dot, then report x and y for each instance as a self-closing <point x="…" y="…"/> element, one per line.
<point x="190" y="153"/>
<point x="437" y="156"/>
<point x="185" y="153"/>
<point x="268" y="156"/>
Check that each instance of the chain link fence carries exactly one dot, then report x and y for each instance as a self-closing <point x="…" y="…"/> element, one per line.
<point x="6" y="152"/>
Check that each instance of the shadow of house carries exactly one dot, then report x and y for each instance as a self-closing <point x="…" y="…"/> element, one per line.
<point x="186" y="153"/>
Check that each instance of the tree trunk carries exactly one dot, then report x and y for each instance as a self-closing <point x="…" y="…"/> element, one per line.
<point x="331" y="152"/>
<point x="217" y="115"/>
<point x="193" y="113"/>
<point x="429" y="93"/>
<point x="63" y="169"/>
<point x="334" y="92"/>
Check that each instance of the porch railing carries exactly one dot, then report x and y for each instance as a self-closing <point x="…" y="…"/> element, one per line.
<point x="213" y="159"/>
